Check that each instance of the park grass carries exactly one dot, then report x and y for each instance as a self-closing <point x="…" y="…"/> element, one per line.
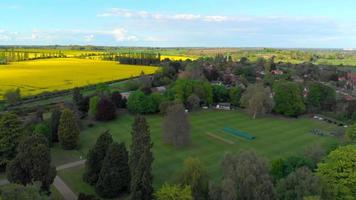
<point x="276" y="137"/>
<point x="47" y="75"/>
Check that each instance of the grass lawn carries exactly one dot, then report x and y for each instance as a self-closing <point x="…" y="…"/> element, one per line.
<point x="275" y="137"/>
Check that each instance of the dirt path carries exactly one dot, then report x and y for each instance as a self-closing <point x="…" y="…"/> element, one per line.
<point x="62" y="188"/>
<point x="70" y="165"/>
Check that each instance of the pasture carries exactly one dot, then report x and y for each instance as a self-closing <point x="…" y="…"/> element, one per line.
<point x="275" y="137"/>
<point x="46" y="75"/>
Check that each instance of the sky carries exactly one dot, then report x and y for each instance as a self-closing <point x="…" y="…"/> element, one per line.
<point x="180" y="23"/>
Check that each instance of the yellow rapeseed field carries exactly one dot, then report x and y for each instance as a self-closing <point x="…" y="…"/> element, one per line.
<point x="38" y="76"/>
<point x="173" y="57"/>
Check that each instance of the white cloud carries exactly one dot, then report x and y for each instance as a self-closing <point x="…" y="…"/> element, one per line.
<point x="120" y="34"/>
<point x="119" y="12"/>
<point x="89" y="38"/>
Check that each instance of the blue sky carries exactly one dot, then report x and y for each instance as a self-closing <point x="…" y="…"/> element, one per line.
<point x="171" y="23"/>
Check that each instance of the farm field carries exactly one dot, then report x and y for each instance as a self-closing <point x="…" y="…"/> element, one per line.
<point x="45" y="75"/>
<point x="275" y="137"/>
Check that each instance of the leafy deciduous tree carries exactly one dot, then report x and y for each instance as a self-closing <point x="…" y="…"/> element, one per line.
<point x="176" y="127"/>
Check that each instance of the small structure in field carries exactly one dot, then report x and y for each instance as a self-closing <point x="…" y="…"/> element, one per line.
<point x="223" y="106"/>
<point x="239" y="133"/>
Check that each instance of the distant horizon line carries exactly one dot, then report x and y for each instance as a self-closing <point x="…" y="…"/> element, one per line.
<point x="175" y="47"/>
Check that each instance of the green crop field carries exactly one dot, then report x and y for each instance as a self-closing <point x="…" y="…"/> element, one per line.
<point x="275" y="137"/>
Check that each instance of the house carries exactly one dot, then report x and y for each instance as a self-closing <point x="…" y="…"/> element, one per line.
<point x="223" y="106"/>
<point x="125" y="94"/>
<point x="159" y="89"/>
<point x="351" y="77"/>
<point x="277" y="72"/>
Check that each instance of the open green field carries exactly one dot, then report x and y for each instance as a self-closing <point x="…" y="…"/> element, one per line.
<point x="275" y="137"/>
<point x="45" y="75"/>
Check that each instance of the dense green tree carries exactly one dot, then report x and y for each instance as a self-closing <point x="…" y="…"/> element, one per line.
<point x="93" y="105"/>
<point x="320" y="97"/>
<point x="114" y="177"/>
<point x="12" y="96"/>
<point x="288" y="98"/>
<point x="106" y="110"/>
<point x="32" y="163"/>
<point x="139" y="102"/>
<point x="96" y="157"/>
<point x="257" y="100"/>
<point x="68" y="130"/>
<point x="55" y="118"/>
<point x="338" y="173"/>
<point x="44" y="129"/>
<point x="141" y="159"/>
<point x="183" y="88"/>
<point x="247" y="173"/>
<point x="220" y="94"/>
<point x="283" y="167"/>
<point x="299" y="184"/>
<point x="235" y="96"/>
<point x="351" y="133"/>
<point x="174" y="192"/>
<point x="10" y="134"/>
<point x="176" y="127"/>
<point x="196" y="176"/>
<point x="21" y="192"/>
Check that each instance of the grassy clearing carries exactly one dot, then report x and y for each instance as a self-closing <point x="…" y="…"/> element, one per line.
<point x="275" y="137"/>
<point x="38" y="76"/>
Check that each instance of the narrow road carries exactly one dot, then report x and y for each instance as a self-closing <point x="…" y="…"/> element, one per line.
<point x="60" y="185"/>
<point x="62" y="188"/>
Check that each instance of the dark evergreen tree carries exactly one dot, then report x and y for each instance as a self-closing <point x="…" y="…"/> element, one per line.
<point x="68" y="130"/>
<point x="96" y="157"/>
<point x="10" y="134"/>
<point x="106" y="110"/>
<point x="77" y="96"/>
<point x="114" y="177"/>
<point x="83" y="106"/>
<point x="55" y="117"/>
<point x="32" y="163"/>
<point x="141" y="159"/>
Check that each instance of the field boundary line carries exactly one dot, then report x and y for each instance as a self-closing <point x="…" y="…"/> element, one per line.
<point x="219" y="138"/>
